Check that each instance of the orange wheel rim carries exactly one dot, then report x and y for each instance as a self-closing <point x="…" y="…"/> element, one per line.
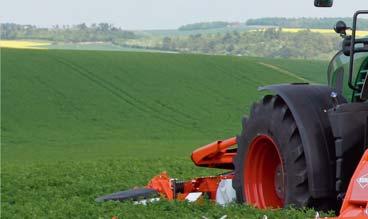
<point x="264" y="184"/>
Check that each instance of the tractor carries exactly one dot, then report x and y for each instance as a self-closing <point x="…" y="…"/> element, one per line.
<point x="301" y="145"/>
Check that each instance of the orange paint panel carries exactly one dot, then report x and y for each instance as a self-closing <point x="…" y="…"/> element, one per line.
<point x="356" y="200"/>
<point x="359" y="193"/>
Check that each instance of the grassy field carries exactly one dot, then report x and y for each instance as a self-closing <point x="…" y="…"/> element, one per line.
<point x="107" y="46"/>
<point x="103" y="46"/>
<point x="79" y="124"/>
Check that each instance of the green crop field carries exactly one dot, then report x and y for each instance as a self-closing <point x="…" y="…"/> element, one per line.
<point x="79" y="124"/>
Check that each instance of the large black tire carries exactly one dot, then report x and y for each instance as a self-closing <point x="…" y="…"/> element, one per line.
<point x="271" y="117"/>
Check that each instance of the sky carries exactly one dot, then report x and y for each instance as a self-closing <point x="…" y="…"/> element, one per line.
<point x="163" y="14"/>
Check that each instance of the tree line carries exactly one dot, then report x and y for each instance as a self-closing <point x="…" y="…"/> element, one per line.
<point x="272" y="42"/>
<point x="76" y="33"/>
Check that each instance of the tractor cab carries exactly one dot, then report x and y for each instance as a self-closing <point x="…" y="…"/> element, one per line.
<point x="347" y="70"/>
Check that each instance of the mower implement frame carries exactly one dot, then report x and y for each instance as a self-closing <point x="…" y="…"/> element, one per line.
<point x="217" y="154"/>
<point x="170" y="188"/>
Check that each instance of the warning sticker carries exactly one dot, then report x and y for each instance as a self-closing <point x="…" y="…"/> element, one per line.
<point x="363" y="181"/>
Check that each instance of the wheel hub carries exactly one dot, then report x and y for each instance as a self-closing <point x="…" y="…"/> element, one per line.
<point x="279" y="182"/>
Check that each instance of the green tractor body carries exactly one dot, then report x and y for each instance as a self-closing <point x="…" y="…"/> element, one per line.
<point x="338" y="72"/>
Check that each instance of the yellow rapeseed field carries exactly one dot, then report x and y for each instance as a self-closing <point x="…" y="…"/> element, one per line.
<point x="20" y="44"/>
<point x="293" y="30"/>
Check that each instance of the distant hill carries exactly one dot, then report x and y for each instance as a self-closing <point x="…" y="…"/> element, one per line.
<point x="321" y="23"/>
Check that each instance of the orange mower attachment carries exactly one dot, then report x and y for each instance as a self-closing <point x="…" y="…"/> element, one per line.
<point x="218" y="154"/>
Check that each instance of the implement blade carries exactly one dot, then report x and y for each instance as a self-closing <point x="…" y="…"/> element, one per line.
<point x="132" y="194"/>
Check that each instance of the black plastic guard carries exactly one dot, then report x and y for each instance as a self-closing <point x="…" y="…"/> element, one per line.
<point x="309" y="105"/>
<point x="348" y="122"/>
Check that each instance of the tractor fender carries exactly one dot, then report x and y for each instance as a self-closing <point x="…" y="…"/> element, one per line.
<point x="309" y="105"/>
